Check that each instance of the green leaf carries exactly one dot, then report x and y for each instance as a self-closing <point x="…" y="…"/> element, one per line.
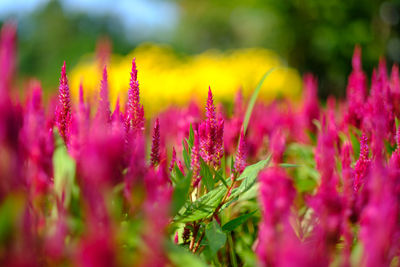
<point x="220" y="178"/>
<point x="215" y="236"/>
<point x="182" y="258"/>
<point x="253" y="99"/>
<point x="206" y="174"/>
<point x="11" y="210"/>
<point x="248" y="177"/>
<point x="202" y="207"/>
<point x="251" y="193"/>
<point x="229" y="226"/>
<point x="64" y="174"/>
<point x="191" y="137"/>
<point x="185" y="154"/>
<point x="179" y="174"/>
<point x="181" y="191"/>
<point x="251" y="171"/>
<point x="232" y="251"/>
<point x="289" y="165"/>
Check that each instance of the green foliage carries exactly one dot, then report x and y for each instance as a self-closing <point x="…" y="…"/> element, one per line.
<point x="64" y="173"/>
<point x="215" y="236"/>
<point x="253" y="99"/>
<point x="181" y="191"/>
<point x="231" y="225"/>
<point x="304" y="174"/>
<point x="249" y="177"/>
<point x="182" y="258"/>
<point x="207" y="175"/>
<point x="202" y="207"/>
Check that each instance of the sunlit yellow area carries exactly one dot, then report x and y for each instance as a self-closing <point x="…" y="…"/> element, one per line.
<point x="167" y="79"/>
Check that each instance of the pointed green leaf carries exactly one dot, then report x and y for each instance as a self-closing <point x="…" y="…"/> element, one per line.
<point x="202" y="207"/>
<point x="180" y="194"/>
<point x="248" y="178"/>
<point x="215" y="236"/>
<point x="206" y="175"/>
<point x="64" y="174"/>
<point x="253" y="99"/>
<point x="182" y="258"/>
<point x="185" y="154"/>
<point x="191" y="137"/>
<point x="231" y="225"/>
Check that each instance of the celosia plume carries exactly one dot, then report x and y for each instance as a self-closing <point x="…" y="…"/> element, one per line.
<point x="155" y="145"/>
<point x="240" y="158"/>
<point x="135" y="109"/>
<point x="195" y="160"/>
<point x="63" y="117"/>
<point x="362" y="164"/>
<point x="310" y="107"/>
<point x="276" y="197"/>
<point x="103" y="109"/>
<point x="356" y="91"/>
<point x="211" y="134"/>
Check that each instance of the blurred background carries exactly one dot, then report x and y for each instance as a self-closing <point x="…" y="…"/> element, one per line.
<point x="310" y="35"/>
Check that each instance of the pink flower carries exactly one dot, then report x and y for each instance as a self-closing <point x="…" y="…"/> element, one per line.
<point x="276" y="197"/>
<point x="240" y="158"/>
<point x="103" y="109"/>
<point x="155" y="145"/>
<point x="63" y="111"/>
<point x="173" y="160"/>
<point x="8" y="37"/>
<point x="356" y="91"/>
<point x="362" y="164"/>
<point x="135" y="109"/>
<point x="310" y="98"/>
<point x="195" y="160"/>
<point x="211" y="135"/>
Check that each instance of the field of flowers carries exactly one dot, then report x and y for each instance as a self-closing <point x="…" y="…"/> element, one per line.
<point x="95" y="182"/>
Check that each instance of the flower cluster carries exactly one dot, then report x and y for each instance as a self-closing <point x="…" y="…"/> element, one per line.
<point x="94" y="183"/>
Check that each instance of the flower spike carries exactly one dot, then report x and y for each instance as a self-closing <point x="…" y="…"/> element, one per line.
<point x="63" y="112"/>
<point x="362" y="164"/>
<point x="240" y="159"/>
<point x="173" y="160"/>
<point x="135" y="109"/>
<point x="195" y="160"/>
<point x="155" y="146"/>
<point x="103" y="109"/>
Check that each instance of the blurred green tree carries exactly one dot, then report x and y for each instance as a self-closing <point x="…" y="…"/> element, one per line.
<point x="313" y="35"/>
<point x="50" y="35"/>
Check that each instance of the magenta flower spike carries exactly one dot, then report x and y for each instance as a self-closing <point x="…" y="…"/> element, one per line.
<point x="195" y="160"/>
<point x="382" y="70"/>
<point x="63" y="111"/>
<point x="240" y="159"/>
<point x="135" y="109"/>
<point x="8" y="37"/>
<point x="173" y="160"/>
<point x="210" y="110"/>
<point x="362" y="164"/>
<point x="211" y="135"/>
<point x="81" y="97"/>
<point x="103" y="109"/>
<point x="116" y="116"/>
<point x="155" y="145"/>
<point x="379" y="219"/>
<point x="180" y="166"/>
<point x="395" y="79"/>
<point x="311" y="106"/>
<point x="276" y="196"/>
<point x="277" y="146"/>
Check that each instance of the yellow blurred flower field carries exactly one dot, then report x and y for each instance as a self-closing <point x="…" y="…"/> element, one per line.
<point x="169" y="79"/>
